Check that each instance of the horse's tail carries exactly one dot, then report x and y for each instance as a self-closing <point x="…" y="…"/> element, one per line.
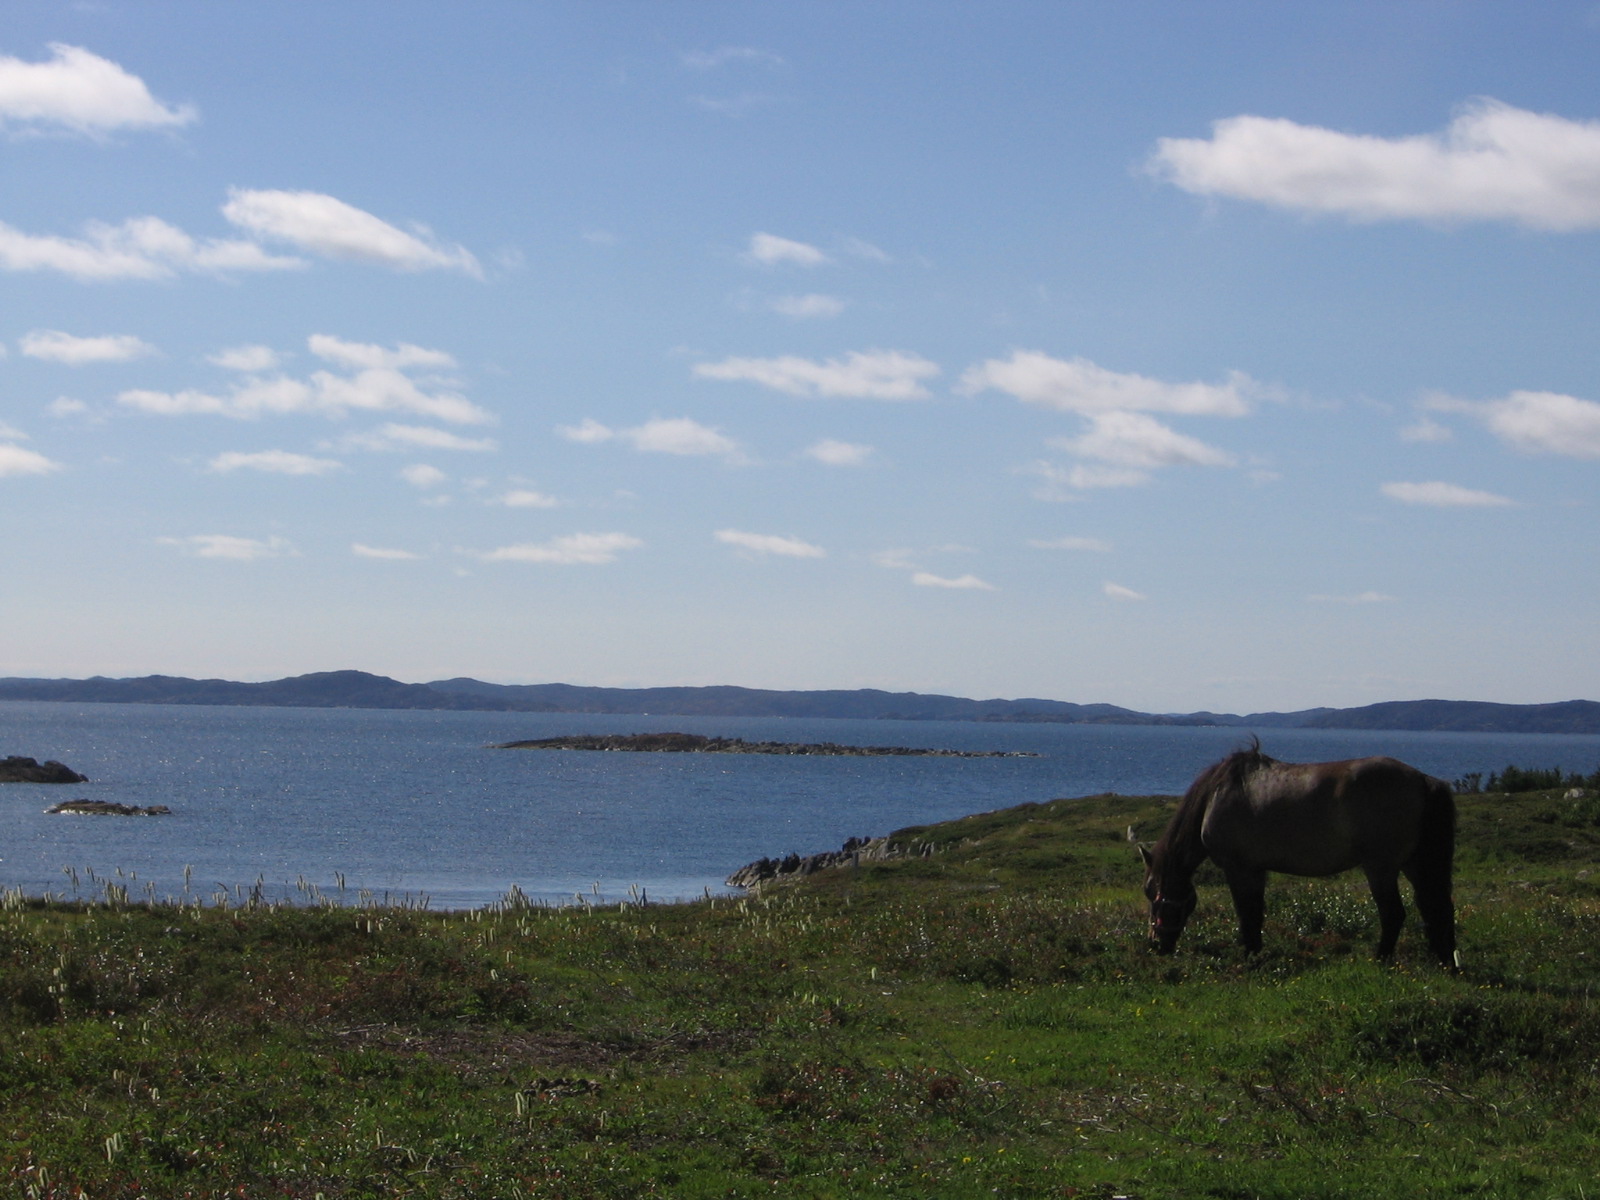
<point x="1436" y="833"/>
<point x="1432" y="867"/>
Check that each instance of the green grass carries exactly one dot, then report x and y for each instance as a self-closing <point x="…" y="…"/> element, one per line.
<point x="983" y="1021"/>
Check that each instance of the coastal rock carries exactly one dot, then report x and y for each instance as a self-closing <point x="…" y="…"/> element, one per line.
<point x="17" y="769"/>
<point x="694" y="743"/>
<point x="109" y="808"/>
<point x="764" y="871"/>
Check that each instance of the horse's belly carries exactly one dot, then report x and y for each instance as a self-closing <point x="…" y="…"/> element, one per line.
<point x="1293" y="847"/>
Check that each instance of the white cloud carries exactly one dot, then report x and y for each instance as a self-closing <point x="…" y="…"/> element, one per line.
<point x="1545" y="423"/>
<point x="1117" y="592"/>
<point x="1064" y="483"/>
<point x="1095" y="545"/>
<point x="866" y="250"/>
<point x="1426" y="429"/>
<point x="873" y="375"/>
<point x="364" y="355"/>
<point x="226" y="546"/>
<point x="589" y="433"/>
<point x="82" y="92"/>
<point x="56" y="346"/>
<point x="706" y="60"/>
<point x="594" y="549"/>
<point x="1443" y="495"/>
<point x="363" y="551"/>
<point x="1359" y="598"/>
<point x="251" y="359"/>
<point x="139" y="248"/>
<point x="272" y="462"/>
<point x="371" y="389"/>
<point x="1078" y="385"/>
<point x="811" y="306"/>
<point x="960" y="583"/>
<point x="663" y="435"/>
<point x="381" y="389"/>
<point x="734" y="106"/>
<point x="680" y="435"/>
<point x="1134" y="440"/>
<point x="391" y="436"/>
<point x="245" y="402"/>
<point x="14" y="460"/>
<point x="527" y="498"/>
<point x="421" y="475"/>
<point x="839" y="454"/>
<point x="66" y="406"/>
<point x="327" y="226"/>
<point x="768" y="249"/>
<point x="1493" y="162"/>
<point x="764" y="543"/>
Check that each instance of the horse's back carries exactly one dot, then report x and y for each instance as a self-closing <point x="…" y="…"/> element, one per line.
<point x="1320" y="818"/>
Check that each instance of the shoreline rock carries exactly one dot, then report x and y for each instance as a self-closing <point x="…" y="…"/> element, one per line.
<point x="109" y="808"/>
<point x="754" y="876"/>
<point x="17" y="768"/>
<point x="694" y="743"/>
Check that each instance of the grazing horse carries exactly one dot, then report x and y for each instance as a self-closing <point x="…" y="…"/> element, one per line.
<point x="1253" y="814"/>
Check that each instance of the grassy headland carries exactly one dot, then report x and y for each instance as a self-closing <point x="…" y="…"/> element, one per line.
<point x="980" y="1021"/>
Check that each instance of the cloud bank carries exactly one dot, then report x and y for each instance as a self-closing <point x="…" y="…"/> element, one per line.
<point x="1492" y="163"/>
<point x="1435" y="494"/>
<point x="869" y="375"/>
<point x="56" y="346"/>
<point x="1078" y="385"/>
<point x="79" y="91"/>
<point x="324" y="225"/>
<point x="766" y="543"/>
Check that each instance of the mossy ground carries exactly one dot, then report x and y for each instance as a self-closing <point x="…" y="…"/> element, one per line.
<point x="985" y="1021"/>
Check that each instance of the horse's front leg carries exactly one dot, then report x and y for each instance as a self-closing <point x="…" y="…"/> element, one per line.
<point x="1385" y="887"/>
<point x="1249" y="889"/>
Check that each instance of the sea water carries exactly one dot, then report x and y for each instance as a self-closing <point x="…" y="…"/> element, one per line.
<point x="415" y="807"/>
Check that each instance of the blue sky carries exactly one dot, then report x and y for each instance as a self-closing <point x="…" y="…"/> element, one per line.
<point x="1231" y="356"/>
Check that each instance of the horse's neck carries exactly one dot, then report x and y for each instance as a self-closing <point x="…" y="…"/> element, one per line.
<point x="1183" y="861"/>
<point x="1186" y="849"/>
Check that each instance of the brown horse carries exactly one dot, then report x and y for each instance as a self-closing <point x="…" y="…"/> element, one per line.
<point x="1253" y="814"/>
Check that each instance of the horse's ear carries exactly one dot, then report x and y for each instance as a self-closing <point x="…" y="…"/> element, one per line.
<point x="1144" y="853"/>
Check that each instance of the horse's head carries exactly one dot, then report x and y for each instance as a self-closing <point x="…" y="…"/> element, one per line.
<point x="1171" y="902"/>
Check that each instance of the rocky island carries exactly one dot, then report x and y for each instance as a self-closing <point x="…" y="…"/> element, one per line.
<point x="109" y="808"/>
<point x="694" y="743"/>
<point x="17" y="769"/>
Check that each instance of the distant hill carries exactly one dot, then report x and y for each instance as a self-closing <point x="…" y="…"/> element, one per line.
<point x="359" y="689"/>
<point x="1464" y="716"/>
<point x="324" y="689"/>
<point x="865" y="704"/>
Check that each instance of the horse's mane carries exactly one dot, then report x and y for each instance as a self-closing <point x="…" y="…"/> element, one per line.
<point x="1180" y="841"/>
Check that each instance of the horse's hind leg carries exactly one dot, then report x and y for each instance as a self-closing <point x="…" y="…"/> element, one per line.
<point x="1249" y="889"/>
<point x="1430" y="888"/>
<point x="1385" y="887"/>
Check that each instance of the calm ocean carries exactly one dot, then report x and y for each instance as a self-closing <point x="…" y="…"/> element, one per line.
<point x="412" y="805"/>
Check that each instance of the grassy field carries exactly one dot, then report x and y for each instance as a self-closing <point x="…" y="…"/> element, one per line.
<point x="981" y="1021"/>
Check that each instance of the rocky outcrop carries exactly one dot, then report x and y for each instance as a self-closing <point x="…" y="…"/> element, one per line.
<point x="764" y="871"/>
<point x="17" y="769"/>
<point x="694" y="743"/>
<point x="109" y="808"/>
